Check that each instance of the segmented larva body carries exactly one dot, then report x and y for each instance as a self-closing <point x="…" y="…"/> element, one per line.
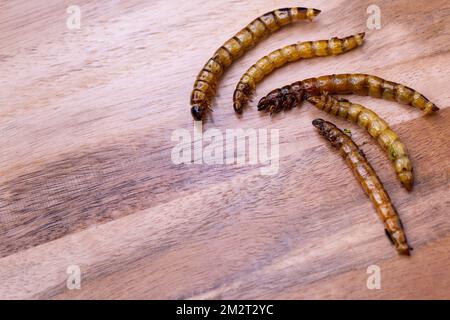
<point x="206" y="81"/>
<point x="376" y="127"/>
<point x="290" y="53"/>
<point x="369" y="180"/>
<point x="360" y="84"/>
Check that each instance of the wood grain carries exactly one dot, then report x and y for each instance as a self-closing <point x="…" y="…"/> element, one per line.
<point x="86" y="176"/>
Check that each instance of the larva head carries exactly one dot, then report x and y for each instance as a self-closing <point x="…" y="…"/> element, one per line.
<point x="197" y="112"/>
<point x="399" y="241"/>
<point x="237" y="106"/>
<point x="241" y="96"/>
<point x="403" y="249"/>
<point x="311" y="13"/>
<point x="358" y="38"/>
<point x="319" y="124"/>
<point x="407" y="179"/>
<point x="430" y="108"/>
<point x="326" y="128"/>
<point x="282" y="99"/>
<point x="330" y="132"/>
<point x="323" y="126"/>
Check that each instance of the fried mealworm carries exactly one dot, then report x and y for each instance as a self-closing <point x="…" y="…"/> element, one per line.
<point x="280" y="57"/>
<point x="369" y="180"/>
<point x="361" y="84"/>
<point x="206" y="81"/>
<point x="376" y="127"/>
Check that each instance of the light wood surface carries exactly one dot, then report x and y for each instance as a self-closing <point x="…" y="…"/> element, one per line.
<point x="86" y="177"/>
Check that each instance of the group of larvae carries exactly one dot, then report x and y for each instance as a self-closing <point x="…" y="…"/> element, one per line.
<point x="319" y="92"/>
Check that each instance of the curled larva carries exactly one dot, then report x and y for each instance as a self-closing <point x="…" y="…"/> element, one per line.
<point x="360" y="84"/>
<point x="369" y="180"/>
<point x="376" y="127"/>
<point x="206" y="81"/>
<point x="280" y="57"/>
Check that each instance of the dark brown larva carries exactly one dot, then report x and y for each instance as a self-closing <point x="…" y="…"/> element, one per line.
<point x="369" y="180"/>
<point x="361" y="84"/>
<point x="280" y="57"/>
<point x="376" y="127"/>
<point x="206" y="81"/>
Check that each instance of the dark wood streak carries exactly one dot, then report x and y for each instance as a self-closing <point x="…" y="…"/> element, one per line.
<point x="83" y="189"/>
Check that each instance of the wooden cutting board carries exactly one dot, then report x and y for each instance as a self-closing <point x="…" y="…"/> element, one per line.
<point x="89" y="191"/>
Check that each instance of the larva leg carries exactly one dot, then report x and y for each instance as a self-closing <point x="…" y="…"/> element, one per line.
<point x="280" y="57"/>
<point x="369" y="180"/>
<point x="376" y="127"/>
<point x="361" y="84"/>
<point x="205" y="83"/>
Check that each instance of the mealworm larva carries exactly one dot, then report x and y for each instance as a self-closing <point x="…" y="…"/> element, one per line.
<point x="361" y="84"/>
<point x="369" y="180"/>
<point x="280" y="57"/>
<point x="206" y="81"/>
<point x="376" y="127"/>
